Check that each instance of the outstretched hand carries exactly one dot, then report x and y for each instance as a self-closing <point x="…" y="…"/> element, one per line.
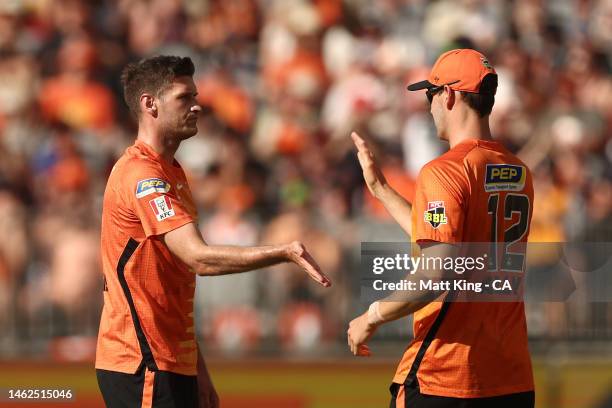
<point x="373" y="176"/>
<point x="300" y="256"/>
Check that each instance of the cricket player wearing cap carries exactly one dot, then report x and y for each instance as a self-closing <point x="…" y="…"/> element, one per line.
<point x="464" y="354"/>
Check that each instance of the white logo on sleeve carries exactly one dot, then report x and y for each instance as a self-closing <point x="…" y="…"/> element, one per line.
<point x="162" y="207"/>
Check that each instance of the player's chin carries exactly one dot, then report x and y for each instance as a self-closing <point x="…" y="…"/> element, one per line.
<point x="188" y="131"/>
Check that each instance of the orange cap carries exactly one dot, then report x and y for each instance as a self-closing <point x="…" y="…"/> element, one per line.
<point x="461" y="69"/>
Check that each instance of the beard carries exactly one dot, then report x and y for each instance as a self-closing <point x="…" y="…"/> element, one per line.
<point x="180" y="130"/>
<point x="186" y="132"/>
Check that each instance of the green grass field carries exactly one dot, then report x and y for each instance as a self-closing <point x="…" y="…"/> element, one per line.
<point x="338" y="384"/>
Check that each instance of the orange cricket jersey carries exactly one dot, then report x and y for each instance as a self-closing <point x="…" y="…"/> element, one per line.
<point x="471" y="349"/>
<point x="148" y="293"/>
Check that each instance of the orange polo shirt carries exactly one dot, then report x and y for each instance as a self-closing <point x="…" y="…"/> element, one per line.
<point x="476" y="192"/>
<point x="148" y="293"/>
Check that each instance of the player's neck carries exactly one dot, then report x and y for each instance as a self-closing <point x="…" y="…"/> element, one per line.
<point x="163" y="146"/>
<point x="470" y="127"/>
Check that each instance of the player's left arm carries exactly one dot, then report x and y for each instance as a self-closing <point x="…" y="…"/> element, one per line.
<point x="389" y="309"/>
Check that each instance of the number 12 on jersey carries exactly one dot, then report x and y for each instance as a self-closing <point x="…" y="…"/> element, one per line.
<point x="504" y="211"/>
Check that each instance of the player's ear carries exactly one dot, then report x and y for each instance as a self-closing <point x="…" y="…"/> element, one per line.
<point x="148" y="104"/>
<point x="450" y="97"/>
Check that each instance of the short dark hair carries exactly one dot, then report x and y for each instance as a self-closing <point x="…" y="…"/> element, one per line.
<point x="152" y="75"/>
<point x="483" y="101"/>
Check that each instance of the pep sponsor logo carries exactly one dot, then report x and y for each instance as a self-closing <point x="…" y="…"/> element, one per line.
<point x="150" y="186"/>
<point x="504" y="177"/>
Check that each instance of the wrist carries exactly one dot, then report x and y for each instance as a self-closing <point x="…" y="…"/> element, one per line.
<point x="383" y="192"/>
<point x="374" y="315"/>
<point x="291" y="251"/>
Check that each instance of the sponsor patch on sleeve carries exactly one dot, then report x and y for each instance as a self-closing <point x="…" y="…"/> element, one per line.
<point x="150" y="186"/>
<point x="162" y="207"/>
<point x="504" y="177"/>
<point x="435" y="214"/>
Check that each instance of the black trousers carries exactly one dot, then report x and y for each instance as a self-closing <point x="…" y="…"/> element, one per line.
<point x="414" y="399"/>
<point x="148" y="389"/>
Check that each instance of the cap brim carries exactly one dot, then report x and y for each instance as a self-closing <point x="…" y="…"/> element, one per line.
<point x="417" y="86"/>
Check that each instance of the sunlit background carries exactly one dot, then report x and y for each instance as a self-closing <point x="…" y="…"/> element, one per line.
<point x="282" y="83"/>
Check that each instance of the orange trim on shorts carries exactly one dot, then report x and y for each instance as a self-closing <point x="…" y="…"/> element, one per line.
<point x="147" y="390"/>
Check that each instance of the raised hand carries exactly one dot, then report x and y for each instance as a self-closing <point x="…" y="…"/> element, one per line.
<point x="373" y="176"/>
<point x="300" y="256"/>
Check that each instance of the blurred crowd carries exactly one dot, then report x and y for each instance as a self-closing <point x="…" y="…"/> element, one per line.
<point x="282" y="83"/>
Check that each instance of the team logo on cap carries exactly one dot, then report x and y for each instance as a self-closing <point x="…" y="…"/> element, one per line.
<point x="435" y="213"/>
<point x="486" y="63"/>
<point x="504" y="177"/>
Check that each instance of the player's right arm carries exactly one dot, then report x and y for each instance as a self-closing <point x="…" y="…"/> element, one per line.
<point x="187" y="244"/>
<point x="161" y="211"/>
<point x="396" y="205"/>
<point x="436" y="239"/>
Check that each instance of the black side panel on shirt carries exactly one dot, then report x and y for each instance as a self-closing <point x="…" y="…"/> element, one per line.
<point x="145" y="349"/>
<point x="411" y="379"/>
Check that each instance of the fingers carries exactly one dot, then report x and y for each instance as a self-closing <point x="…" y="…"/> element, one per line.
<point x="363" y="159"/>
<point x="321" y="278"/>
<point x="363" y="351"/>
<point x="359" y="350"/>
<point x="366" y="160"/>
<point x="364" y="154"/>
<point x="352" y="345"/>
<point x="366" y="163"/>
<point x="359" y="142"/>
<point x="304" y="260"/>
<point x="312" y="268"/>
<point x="349" y="340"/>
